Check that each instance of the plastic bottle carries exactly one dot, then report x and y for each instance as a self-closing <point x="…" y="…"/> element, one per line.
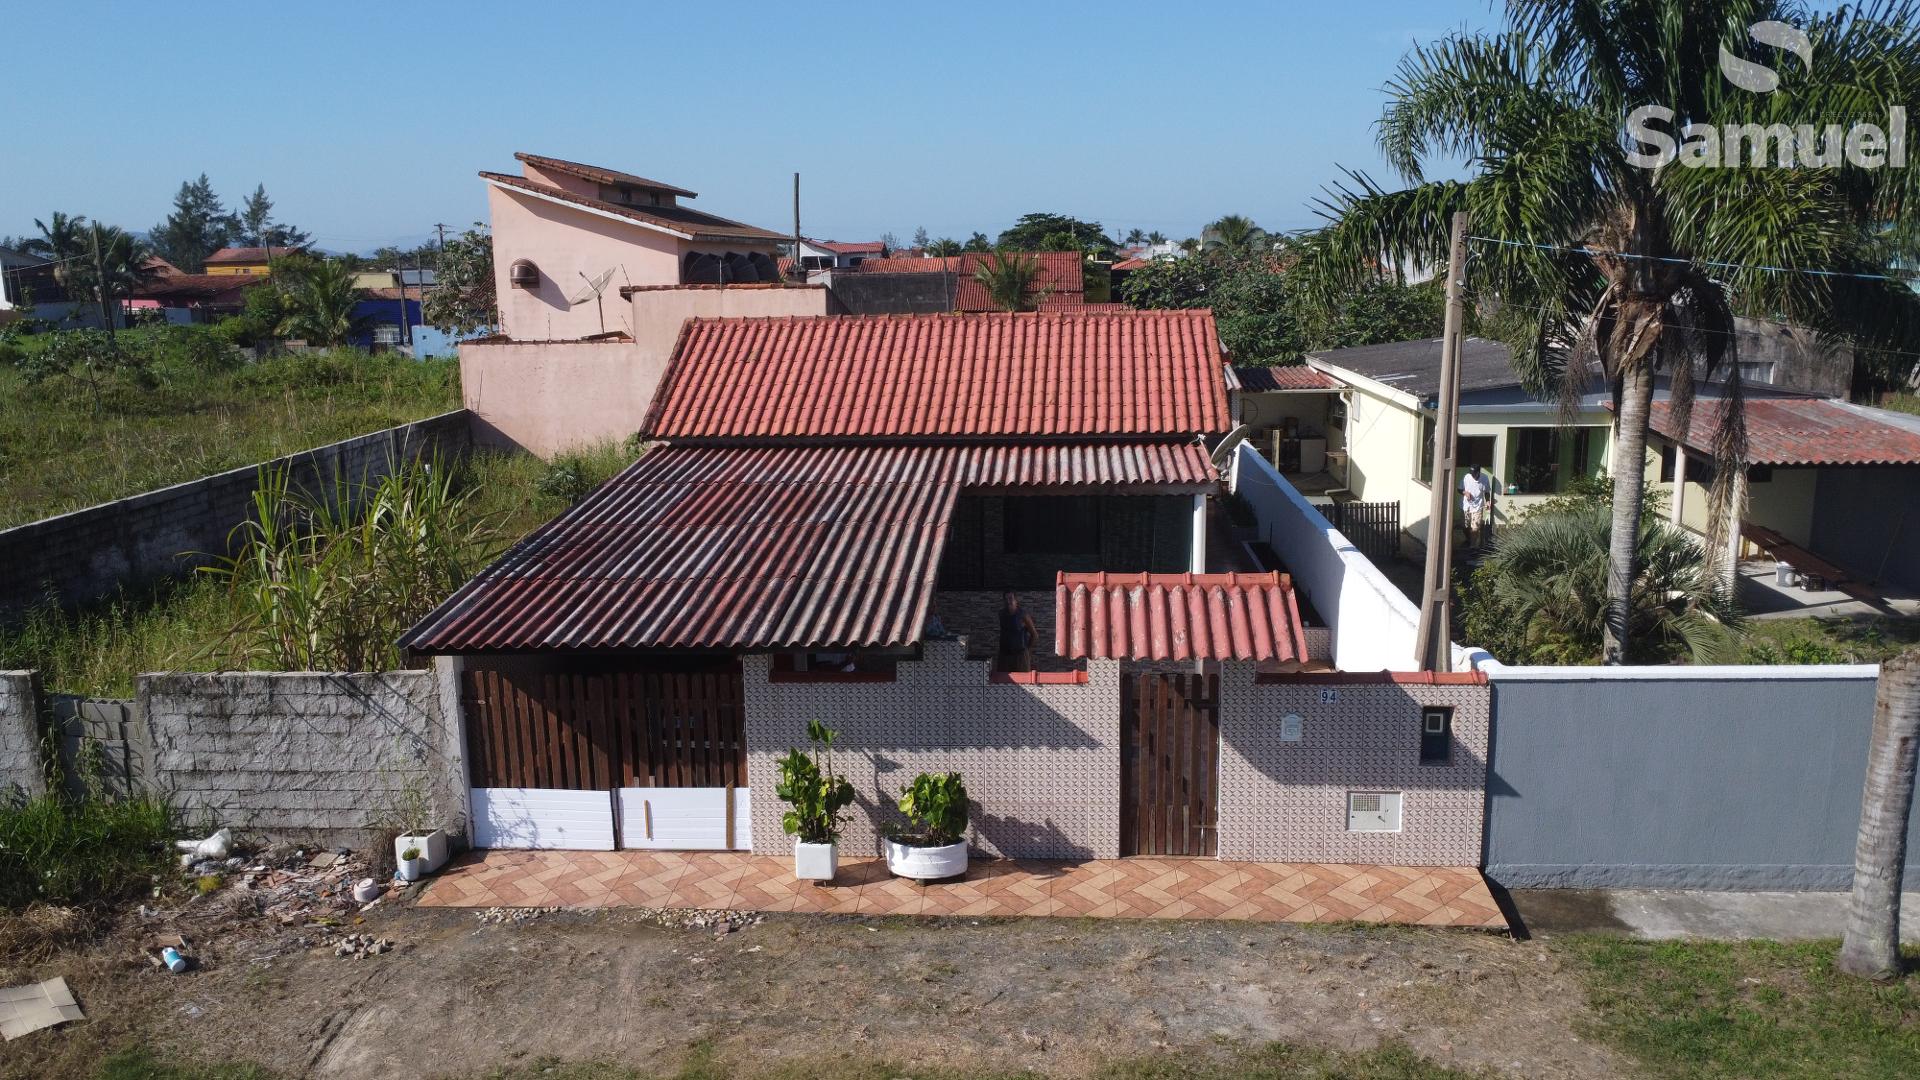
<point x="174" y="961"/>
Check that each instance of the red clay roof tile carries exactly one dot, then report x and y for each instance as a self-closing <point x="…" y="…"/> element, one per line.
<point x="1136" y="374"/>
<point x="1178" y="617"/>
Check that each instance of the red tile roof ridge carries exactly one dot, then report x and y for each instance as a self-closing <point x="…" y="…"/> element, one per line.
<point x="598" y="173"/>
<point x="929" y="315"/>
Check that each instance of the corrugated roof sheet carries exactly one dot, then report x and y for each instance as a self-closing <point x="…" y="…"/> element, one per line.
<point x="761" y="547"/>
<point x="597" y="174"/>
<point x="1145" y="373"/>
<point x="1804" y="431"/>
<point x="1258" y="379"/>
<point x="1178" y="617"/>
<point x="680" y="219"/>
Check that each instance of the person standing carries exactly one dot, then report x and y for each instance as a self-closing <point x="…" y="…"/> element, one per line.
<point x="1476" y="505"/>
<point x="1017" y="635"/>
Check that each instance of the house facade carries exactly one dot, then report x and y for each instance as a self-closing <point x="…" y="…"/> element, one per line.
<point x="244" y="261"/>
<point x="827" y="527"/>
<point x="1357" y="425"/>
<point x="567" y="237"/>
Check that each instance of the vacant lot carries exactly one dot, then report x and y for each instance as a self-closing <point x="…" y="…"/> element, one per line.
<point x="171" y="421"/>
<point x="610" y="993"/>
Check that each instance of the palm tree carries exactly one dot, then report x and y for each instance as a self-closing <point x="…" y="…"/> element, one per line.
<point x="110" y="264"/>
<point x="1190" y="245"/>
<point x="1156" y="237"/>
<point x="1134" y="236"/>
<point x="320" y="300"/>
<point x="1871" y="947"/>
<point x="1604" y="268"/>
<point x="1541" y="597"/>
<point x="943" y="248"/>
<point x="61" y="239"/>
<point x="1233" y="236"/>
<point x="1011" y="280"/>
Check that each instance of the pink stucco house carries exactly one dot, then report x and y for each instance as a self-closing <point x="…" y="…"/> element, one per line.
<point x="567" y="237"/>
<point x="595" y="271"/>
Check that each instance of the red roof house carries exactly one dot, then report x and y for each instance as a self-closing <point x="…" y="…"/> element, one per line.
<point x="822" y="478"/>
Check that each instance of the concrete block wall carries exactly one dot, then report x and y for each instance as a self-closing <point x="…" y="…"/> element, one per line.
<point x="1287" y="801"/>
<point x="83" y="555"/>
<point x="1041" y="763"/>
<point x="22" y="771"/>
<point x="305" y="754"/>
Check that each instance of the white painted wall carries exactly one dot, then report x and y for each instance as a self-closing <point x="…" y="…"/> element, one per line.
<point x="1374" y="624"/>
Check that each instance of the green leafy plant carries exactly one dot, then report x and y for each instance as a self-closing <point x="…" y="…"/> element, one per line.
<point x="936" y="804"/>
<point x="410" y="854"/>
<point x="1012" y="281"/>
<point x="817" y="794"/>
<point x="76" y="851"/>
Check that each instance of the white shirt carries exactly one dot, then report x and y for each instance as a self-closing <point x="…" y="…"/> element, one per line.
<point x="1473" y="491"/>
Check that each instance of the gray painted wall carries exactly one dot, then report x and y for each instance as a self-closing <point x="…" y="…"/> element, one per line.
<point x="84" y="555"/>
<point x="1731" y="782"/>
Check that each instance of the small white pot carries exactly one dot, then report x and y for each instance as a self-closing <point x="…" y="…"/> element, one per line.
<point x="926" y="863"/>
<point x="815" y="862"/>
<point x="413" y="869"/>
<point x="434" y="849"/>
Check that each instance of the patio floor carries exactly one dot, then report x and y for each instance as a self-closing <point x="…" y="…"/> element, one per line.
<point x="1121" y="889"/>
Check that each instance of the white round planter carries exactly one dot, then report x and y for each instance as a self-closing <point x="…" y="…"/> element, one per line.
<point x="926" y="863"/>
<point x="815" y="862"/>
<point x="413" y="869"/>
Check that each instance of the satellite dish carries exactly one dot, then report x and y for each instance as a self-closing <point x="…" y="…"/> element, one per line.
<point x="596" y="285"/>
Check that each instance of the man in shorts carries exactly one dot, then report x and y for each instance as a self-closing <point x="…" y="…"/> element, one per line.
<point x="1476" y="505"/>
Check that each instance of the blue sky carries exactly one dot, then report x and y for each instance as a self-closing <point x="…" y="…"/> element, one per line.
<point x="368" y="122"/>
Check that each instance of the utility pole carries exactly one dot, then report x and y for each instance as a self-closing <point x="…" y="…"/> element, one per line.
<point x="1435" y="640"/>
<point x="442" y="229"/>
<point x="799" y="270"/>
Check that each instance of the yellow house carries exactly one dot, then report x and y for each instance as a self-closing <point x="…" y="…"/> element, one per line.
<point x="1524" y="443"/>
<point x="245" y="260"/>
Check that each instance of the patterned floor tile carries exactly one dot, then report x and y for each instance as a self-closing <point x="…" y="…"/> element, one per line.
<point x="1146" y="888"/>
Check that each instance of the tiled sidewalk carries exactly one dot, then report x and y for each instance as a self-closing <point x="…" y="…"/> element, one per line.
<point x="1121" y="889"/>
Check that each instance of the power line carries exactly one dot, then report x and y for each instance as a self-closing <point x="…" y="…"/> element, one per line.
<point x="1777" y="324"/>
<point x="1597" y="252"/>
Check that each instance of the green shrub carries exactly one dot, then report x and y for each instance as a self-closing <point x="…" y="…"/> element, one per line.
<point x="817" y="794"/>
<point x="194" y="350"/>
<point x="936" y="804"/>
<point x="11" y="354"/>
<point x="61" y="851"/>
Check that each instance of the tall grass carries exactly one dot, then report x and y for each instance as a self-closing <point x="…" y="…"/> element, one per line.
<point x="490" y="500"/>
<point x="174" y="420"/>
<point x="328" y="580"/>
<point x="60" y="851"/>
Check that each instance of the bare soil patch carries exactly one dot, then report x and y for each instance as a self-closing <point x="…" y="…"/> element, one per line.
<point x="461" y="995"/>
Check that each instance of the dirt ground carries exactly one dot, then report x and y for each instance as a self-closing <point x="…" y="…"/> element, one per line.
<point x="1059" y="996"/>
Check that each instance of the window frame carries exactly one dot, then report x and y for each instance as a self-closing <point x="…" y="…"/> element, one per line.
<point x="1436" y="747"/>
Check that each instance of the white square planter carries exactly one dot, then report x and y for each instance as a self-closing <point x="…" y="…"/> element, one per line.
<point x="815" y="862"/>
<point x="434" y="850"/>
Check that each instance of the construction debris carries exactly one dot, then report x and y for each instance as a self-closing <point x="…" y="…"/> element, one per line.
<point x="699" y="919"/>
<point x="359" y="946"/>
<point x="29" y="1008"/>
<point x="511" y="916"/>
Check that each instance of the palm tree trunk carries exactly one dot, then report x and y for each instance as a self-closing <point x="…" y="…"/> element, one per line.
<point x="1629" y="490"/>
<point x="1871" y="948"/>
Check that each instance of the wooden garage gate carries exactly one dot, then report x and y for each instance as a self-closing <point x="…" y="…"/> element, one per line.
<point x="604" y="759"/>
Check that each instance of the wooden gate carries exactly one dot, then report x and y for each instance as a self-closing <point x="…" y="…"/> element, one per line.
<point x="1169" y="764"/>
<point x="1374" y="527"/>
<point x="600" y="731"/>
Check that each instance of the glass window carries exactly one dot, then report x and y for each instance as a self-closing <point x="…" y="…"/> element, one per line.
<point x="1436" y="736"/>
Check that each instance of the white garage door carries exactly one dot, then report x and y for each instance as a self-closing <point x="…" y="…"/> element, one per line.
<point x="685" y="819"/>
<point x="542" y="818"/>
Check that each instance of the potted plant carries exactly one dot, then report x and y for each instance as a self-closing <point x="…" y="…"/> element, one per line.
<point x="818" y="796"/>
<point x="413" y="864"/>
<point x="430" y="849"/>
<point x="936" y="808"/>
